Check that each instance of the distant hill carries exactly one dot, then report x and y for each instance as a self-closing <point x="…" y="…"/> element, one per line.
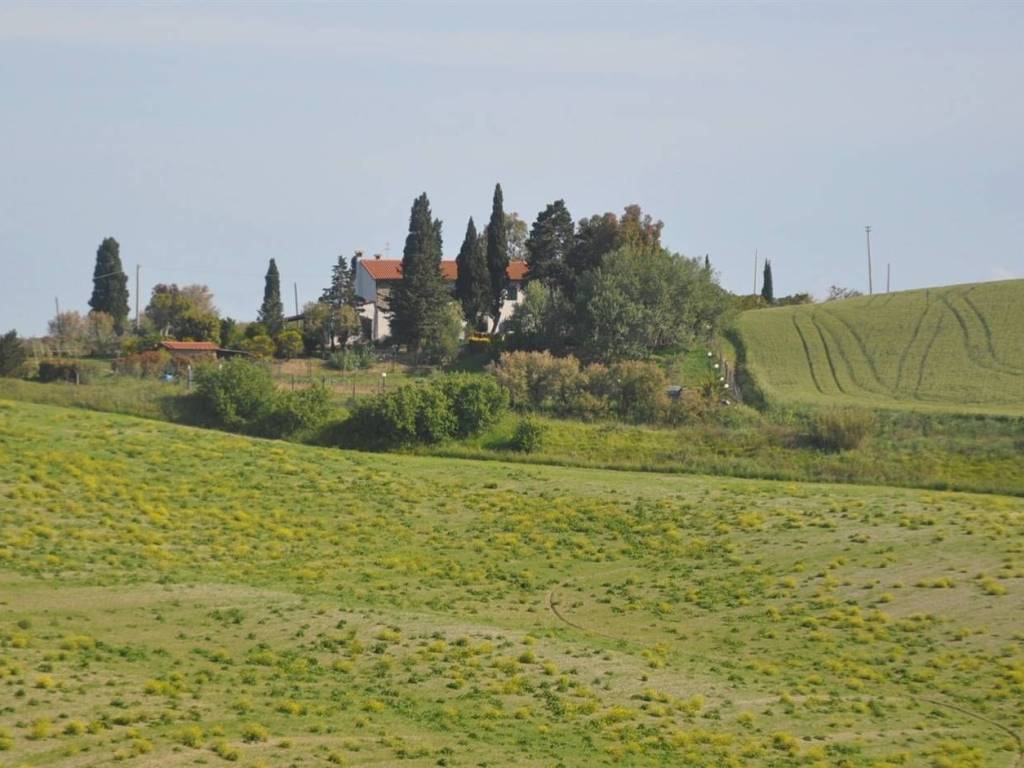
<point x="958" y="348"/>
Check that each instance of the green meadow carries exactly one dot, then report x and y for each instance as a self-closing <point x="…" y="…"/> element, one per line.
<point x="171" y="597"/>
<point x="957" y="348"/>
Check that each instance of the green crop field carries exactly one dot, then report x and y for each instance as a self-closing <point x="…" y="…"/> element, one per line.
<point x="172" y="597"/>
<point x="957" y="348"/>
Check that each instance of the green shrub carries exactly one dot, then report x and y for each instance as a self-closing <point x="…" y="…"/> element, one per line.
<point x="288" y="343"/>
<point x="385" y="419"/>
<point x="639" y="391"/>
<point x="632" y="390"/>
<point x="301" y="411"/>
<point x="351" y="358"/>
<point x="238" y="393"/>
<point x="453" y="405"/>
<point x="841" y="429"/>
<point x="61" y="370"/>
<point x="476" y="401"/>
<point x="528" y="436"/>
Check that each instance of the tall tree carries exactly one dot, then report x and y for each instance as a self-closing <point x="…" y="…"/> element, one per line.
<point x="420" y="298"/>
<point x="547" y="248"/>
<point x="600" y="235"/>
<point x="497" y="254"/>
<point x="110" y="284"/>
<point x="342" y="289"/>
<point x="516" y="233"/>
<point x="767" y="290"/>
<point x="12" y="354"/>
<point x="473" y="282"/>
<point x="271" y="313"/>
<point x="707" y="262"/>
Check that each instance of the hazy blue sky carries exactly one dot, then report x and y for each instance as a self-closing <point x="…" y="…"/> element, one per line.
<point x="209" y="138"/>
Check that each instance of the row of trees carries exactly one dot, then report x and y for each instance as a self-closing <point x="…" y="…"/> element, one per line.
<point x="421" y="304"/>
<point x="603" y="287"/>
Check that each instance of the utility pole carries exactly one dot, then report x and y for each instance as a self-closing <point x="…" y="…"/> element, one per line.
<point x="867" y="232"/>
<point x="888" y="275"/>
<point x="755" y="272"/>
<point x="60" y="331"/>
<point x="296" y="287"/>
<point x="137" y="267"/>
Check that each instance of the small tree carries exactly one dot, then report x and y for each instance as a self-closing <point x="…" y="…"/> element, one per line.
<point x="110" y="284"/>
<point x="767" y="290"/>
<point x="12" y="354"/>
<point x="288" y="343"/>
<point x="271" y="313"/>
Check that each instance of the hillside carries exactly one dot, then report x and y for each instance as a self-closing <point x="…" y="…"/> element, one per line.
<point x="958" y="348"/>
<point x="177" y="597"/>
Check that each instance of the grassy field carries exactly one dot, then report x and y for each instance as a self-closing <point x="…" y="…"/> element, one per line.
<point x="957" y="348"/>
<point x="171" y="596"/>
<point x="936" y="451"/>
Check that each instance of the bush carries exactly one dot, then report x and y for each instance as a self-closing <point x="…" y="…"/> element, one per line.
<point x="528" y="436"/>
<point x="61" y="370"/>
<point x="841" y="429"/>
<point x="540" y="381"/>
<point x="145" y="364"/>
<point x="301" y="411"/>
<point x="351" y="358"/>
<point x="639" y="391"/>
<point x="288" y="344"/>
<point x="475" y="401"/>
<point x="389" y="418"/>
<point x="239" y="394"/>
<point x="454" y="405"/>
<point x="259" y="345"/>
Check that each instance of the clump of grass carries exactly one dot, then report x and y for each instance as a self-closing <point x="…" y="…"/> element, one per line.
<point x="841" y="429"/>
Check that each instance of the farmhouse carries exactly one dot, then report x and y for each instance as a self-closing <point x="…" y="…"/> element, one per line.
<point x="376" y="277"/>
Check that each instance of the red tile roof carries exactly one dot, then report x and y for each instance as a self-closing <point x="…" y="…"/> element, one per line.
<point x="190" y="346"/>
<point x="391" y="269"/>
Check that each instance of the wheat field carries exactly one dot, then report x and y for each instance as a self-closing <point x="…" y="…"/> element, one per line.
<point x="956" y="348"/>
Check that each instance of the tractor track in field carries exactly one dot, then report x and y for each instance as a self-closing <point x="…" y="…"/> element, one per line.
<point x="552" y="603"/>
<point x="966" y="296"/>
<point x="973" y="355"/>
<point x="859" y="342"/>
<point x="807" y="354"/>
<point x="828" y="356"/>
<point x="995" y="723"/>
<point x="924" y="356"/>
<point x="913" y="339"/>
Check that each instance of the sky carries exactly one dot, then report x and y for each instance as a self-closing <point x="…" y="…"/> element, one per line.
<point x="210" y="137"/>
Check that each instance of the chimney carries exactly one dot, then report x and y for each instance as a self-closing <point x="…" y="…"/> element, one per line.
<point x="376" y="256"/>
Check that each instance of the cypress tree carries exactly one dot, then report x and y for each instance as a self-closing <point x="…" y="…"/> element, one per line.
<point x="419" y="299"/>
<point x="767" y="290"/>
<point x="473" y="283"/>
<point x="342" y="290"/>
<point x="110" y="284"/>
<point x="707" y="263"/>
<point x="547" y="248"/>
<point x="271" y="313"/>
<point x="497" y="255"/>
